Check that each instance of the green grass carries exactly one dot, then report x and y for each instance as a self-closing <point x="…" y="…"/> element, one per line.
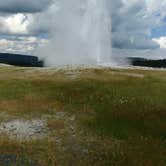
<point x="125" y="113"/>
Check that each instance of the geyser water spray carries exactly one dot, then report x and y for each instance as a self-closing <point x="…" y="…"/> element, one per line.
<point x="80" y="34"/>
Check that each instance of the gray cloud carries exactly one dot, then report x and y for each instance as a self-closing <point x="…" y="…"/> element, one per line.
<point x="132" y="24"/>
<point x="23" y="6"/>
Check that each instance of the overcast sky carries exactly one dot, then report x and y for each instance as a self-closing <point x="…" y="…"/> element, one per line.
<point x="136" y="24"/>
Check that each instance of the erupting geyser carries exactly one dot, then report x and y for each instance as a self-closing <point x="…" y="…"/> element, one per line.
<point x="81" y="33"/>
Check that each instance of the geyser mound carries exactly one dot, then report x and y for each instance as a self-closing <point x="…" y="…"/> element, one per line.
<point x="80" y="34"/>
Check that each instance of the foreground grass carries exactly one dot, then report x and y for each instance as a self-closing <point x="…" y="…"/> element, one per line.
<point x="122" y="112"/>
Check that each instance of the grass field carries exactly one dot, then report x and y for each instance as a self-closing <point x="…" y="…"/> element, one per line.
<point x="95" y="116"/>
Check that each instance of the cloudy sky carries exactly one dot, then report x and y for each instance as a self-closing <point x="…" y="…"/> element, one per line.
<point x="136" y="24"/>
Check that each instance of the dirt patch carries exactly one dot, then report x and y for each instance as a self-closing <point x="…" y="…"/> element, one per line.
<point x="24" y="129"/>
<point x="128" y="74"/>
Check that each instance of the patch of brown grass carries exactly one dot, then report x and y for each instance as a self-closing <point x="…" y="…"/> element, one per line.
<point x="9" y="106"/>
<point x="56" y="124"/>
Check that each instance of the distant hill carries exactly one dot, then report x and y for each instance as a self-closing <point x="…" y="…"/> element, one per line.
<point x="136" y="61"/>
<point x="20" y="60"/>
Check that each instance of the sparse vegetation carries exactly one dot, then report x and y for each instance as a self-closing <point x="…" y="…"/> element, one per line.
<point x="94" y="116"/>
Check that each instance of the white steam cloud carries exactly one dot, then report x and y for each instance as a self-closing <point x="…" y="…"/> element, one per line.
<point x="80" y="33"/>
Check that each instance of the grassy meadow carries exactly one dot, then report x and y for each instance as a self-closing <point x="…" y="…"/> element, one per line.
<point x="114" y="117"/>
